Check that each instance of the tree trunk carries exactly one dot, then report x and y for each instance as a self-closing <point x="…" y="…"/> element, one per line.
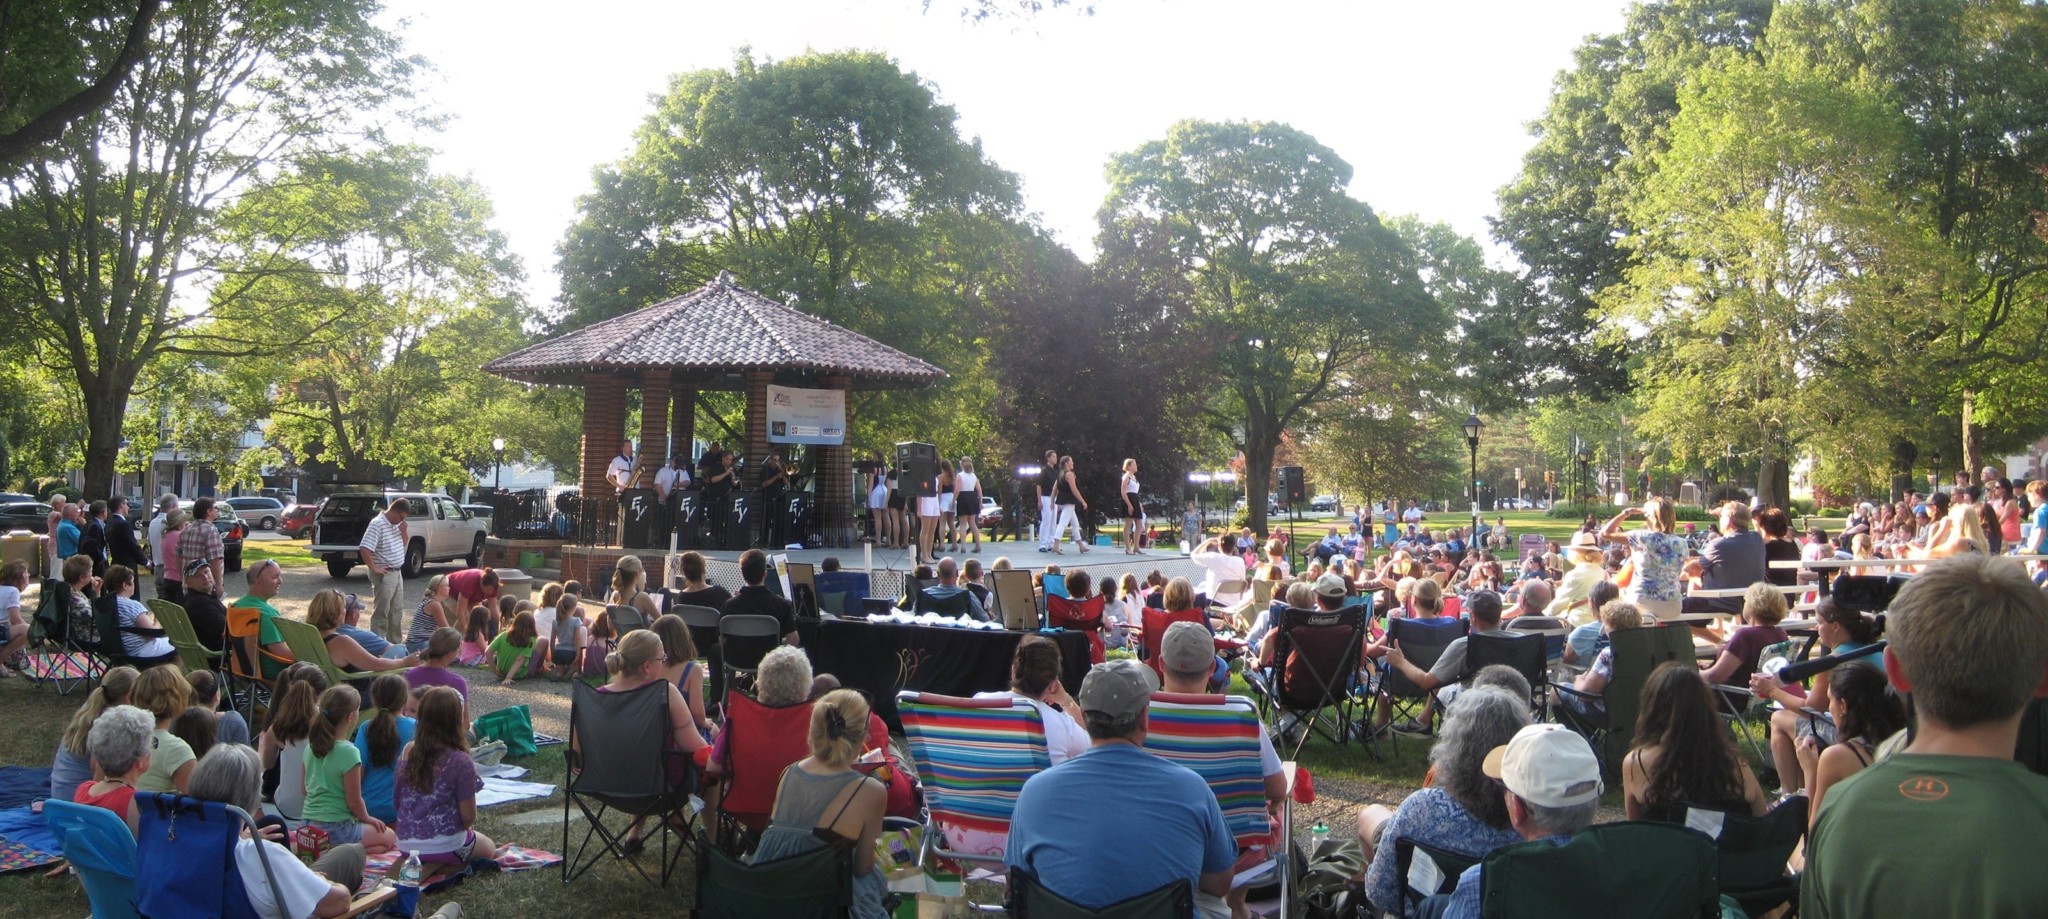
<point x="1774" y="480"/>
<point x="1903" y="455"/>
<point x="1972" y="460"/>
<point x="1259" y="445"/>
<point x="103" y="413"/>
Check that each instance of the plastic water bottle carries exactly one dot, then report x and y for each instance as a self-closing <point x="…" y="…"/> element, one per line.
<point x="408" y="885"/>
<point x="1317" y="835"/>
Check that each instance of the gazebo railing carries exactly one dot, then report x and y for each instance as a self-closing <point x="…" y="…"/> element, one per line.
<point x="593" y="521"/>
<point x="522" y="515"/>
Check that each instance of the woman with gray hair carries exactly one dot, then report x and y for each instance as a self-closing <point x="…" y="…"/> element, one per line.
<point x="784" y="677"/>
<point x="120" y="742"/>
<point x="1464" y="811"/>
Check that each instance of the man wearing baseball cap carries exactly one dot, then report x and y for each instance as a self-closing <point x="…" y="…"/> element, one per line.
<point x="1484" y="608"/>
<point x="202" y="604"/>
<point x="1553" y="791"/>
<point x="1173" y="831"/>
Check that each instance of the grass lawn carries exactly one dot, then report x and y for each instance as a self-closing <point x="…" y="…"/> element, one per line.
<point x="290" y="554"/>
<point x="1518" y="522"/>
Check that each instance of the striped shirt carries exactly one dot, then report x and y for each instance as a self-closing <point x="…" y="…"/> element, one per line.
<point x="385" y="542"/>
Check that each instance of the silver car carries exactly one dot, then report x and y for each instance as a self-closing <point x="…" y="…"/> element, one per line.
<point x="259" y="513"/>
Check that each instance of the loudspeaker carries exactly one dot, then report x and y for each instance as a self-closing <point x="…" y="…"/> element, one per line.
<point x="686" y="517"/>
<point x="637" y="508"/>
<point x="1292" y="494"/>
<point x="920" y="469"/>
<point x="740" y="520"/>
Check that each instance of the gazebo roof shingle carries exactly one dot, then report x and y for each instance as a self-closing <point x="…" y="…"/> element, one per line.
<point x="718" y="327"/>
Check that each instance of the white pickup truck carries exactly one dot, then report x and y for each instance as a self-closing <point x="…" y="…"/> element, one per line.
<point x="439" y="529"/>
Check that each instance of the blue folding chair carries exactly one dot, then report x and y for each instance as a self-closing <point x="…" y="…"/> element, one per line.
<point x="101" y="850"/>
<point x="185" y="860"/>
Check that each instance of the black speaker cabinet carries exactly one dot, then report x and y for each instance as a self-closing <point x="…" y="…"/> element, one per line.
<point x="742" y="519"/>
<point x="639" y="509"/>
<point x="920" y="469"/>
<point x="1292" y="491"/>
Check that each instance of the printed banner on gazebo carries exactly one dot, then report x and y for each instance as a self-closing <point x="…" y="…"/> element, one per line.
<point x="806" y="416"/>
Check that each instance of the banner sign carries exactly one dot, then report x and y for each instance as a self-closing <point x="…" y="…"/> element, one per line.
<point x="806" y="416"/>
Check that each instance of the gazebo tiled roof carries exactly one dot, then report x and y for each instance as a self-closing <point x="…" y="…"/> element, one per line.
<point x="720" y="327"/>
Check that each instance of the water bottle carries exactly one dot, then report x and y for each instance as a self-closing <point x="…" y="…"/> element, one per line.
<point x="1317" y="835"/>
<point x="408" y="886"/>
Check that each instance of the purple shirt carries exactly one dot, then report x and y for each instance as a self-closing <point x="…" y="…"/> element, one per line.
<point x="419" y="678"/>
<point x="436" y="812"/>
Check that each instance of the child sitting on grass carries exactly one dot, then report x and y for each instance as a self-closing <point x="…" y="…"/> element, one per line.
<point x="435" y="788"/>
<point x="476" y="638"/>
<point x="570" y="636"/>
<point x="379" y="739"/>
<point x="334" y="775"/>
<point x="511" y="653"/>
<point x="598" y="645"/>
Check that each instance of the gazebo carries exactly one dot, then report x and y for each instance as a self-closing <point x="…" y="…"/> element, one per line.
<point x="723" y="338"/>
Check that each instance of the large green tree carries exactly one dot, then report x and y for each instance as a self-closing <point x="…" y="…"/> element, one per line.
<point x="838" y="183"/>
<point x="106" y="246"/>
<point x="63" y="60"/>
<point x="1289" y="279"/>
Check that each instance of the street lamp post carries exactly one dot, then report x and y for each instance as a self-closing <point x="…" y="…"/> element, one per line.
<point x="498" y="486"/>
<point x="1934" y="474"/>
<point x="1471" y="427"/>
<point x="1585" y="459"/>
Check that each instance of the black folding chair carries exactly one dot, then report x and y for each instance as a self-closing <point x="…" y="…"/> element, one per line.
<point x="742" y="641"/>
<point x="817" y="884"/>
<point x="625" y="618"/>
<point x="1315" y="670"/>
<point x="1636" y="653"/>
<point x="619" y="760"/>
<point x="1424" y="871"/>
<point x="1029" y="899"/>
<point x="1638" y="869"/>
<point x="1525" y="653"/>
<point x="1753" y="852"/>
<point x="1423" y="641"/>
<point x="702" y="621"/>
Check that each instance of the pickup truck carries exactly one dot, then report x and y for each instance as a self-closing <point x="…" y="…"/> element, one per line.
<point x="440" y="529"/>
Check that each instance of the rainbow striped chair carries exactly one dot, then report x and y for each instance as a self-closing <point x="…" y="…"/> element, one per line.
<point x="1218" y="738"/>
<point x="973" y="757"/>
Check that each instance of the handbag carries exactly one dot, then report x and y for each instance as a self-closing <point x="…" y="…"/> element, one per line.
<point x="512" y="725"/>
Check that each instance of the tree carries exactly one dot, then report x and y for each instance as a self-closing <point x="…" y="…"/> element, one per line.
<point x="1289" y="279"/>
<point x="402" y="291"/>
<point x="105" y="244"/>
<point x="837" y="183"/>
<point x="61" y="62"/>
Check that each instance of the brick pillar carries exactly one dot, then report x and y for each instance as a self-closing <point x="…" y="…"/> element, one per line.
<point x="682" y="418"/>
<point x="653" y="424"/>
<point x="604" y="425"/>
<point x="757" y="419"/>
<point x="835" y="483"/>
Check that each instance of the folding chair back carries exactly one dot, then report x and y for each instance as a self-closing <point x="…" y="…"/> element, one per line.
<point x="1425" y="871"/>
<point x="1422" y="641"/>
<point x="1016" y="602"/>
<point x="192" y="655"/>
<point x="1315" y="664"/>
<point x="1218" y="738"/>
<point x="1156" y="622"/>
<point x="246" y="655"/>
<point x="702" y="622"/>
<point x="1553" y="630"/>
<point x="1636" y="653"/>
<point x="1753" y="851"/>
<point x="185" y="858"/>
<point x="1084" y="616"/>
<point x="99" y="847"/>
<point x="1525" y="653"/>
<point x="760" y="741"/>
<point x="742" y="642"/>
<point x="1634" y="868"/>
<point x="106" y="620"/>
<point x="959" y="604"/>
<point x="817" y="884"/>
<point x="52" y="619"/>
<point x="53" y="657"/>
<point x="306" y="645"/>
<point x="625" y="617"/>
<point x="1029" y="899"/>
<point x="973" y="757"/>
<point x="618" y="759"/>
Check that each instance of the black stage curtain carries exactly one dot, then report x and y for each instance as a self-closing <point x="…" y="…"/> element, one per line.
<point x="884" y="658"/>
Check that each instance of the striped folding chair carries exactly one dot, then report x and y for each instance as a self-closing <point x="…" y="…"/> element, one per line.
<point x="973" y="757"/>
<point x="1218" y="738"/>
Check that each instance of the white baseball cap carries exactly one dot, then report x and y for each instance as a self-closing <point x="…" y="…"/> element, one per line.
<point x="1547" y="765"/>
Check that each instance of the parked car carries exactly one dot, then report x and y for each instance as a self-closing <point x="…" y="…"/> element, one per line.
<point x="1323" y="504"/>
<point x="15" y="497"/>
<point x="482" y="512"/>
<point x="297" y="522"/>
<point x="991" y="515"/>
<point x="440" y="529"/>
<point x="232" y="534"/>
<point x="257" y="511"/>
<point x="30" y="515"/>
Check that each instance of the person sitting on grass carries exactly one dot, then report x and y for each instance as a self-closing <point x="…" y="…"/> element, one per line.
<point x="73" y="764"/>
<point x="379" y="740"/>
<point x="120" y="741"/>
<point x="602" y="636"/>
<point x="197" y="728"/>
<point x="163" y="693"/>
<point x="476" y="638"/>
<point x="571" y="637"/>
<point x="511" y="653"/>
<point x="435" y="788"/>
<point x="294" y="703"/>
<point x="232" y="774"/>
<point x="440" y="652"/>
<point x="229" y="726"/>
<point x="436" y="610"/>
<point x="334" y="775"/>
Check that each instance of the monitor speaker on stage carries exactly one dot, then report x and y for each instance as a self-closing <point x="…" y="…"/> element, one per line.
<point x="686" y="513"/>
<point x="1292" y="492"/>
<point x="920" y="465"/>
<point x="639" y="513"/>
<point x="742" y="519"/>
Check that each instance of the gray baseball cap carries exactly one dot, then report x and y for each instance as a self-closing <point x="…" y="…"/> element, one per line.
<point x="1118" y="690"/>
<point x="1187" y="648"/>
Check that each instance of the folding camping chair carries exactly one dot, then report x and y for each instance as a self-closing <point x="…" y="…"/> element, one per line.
<point x="60" y="642"/>
<point x="97" y="844"/>
<point x="760" y="741"/>
<point x="1526" y="653"/>
<point x="1315" y="669"/>
<point x="1029" y="899"/>
<point x="1635" y="868"/>
<point x="742" y="641"/>
<point x="1554" y="631"/>
<point x="817" y="884"/>
<point x="619" y="760"/>
<point x="1084" y="616"/>
<point x="246" y="680"/>
<point x="185" y="861"/>
<point x="960" y="604"/>
<point x="1218" y="738"/>
<point x="1636" y="653"/>
<point x="1154" y="623"/>
<point x="1423" y="641"/>
<point x="1753" y="852"/>
<point x="110" y="650"/>
<point x="193" y="656"/>
<point x="1737" y="701"/>
<point x="307" y="645"/>
<point x="973" y="757"/>
<point x="1425" y="871"/>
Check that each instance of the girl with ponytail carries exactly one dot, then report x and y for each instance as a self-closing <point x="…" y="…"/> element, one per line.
<point x="74" y="761"/>
<point x="380" y="739"/>
<point x="637" y="662"/>
<point x="334" y="775"/>
<point x="823" y="799"/>
<point x="282" y="745"/>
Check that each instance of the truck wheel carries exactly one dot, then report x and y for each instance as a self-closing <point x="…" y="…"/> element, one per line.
<point x="415" y="558"/>
<point x="476" y="552"/>
<point x="338" y="567"/>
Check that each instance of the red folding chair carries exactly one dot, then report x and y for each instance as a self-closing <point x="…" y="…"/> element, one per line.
<point x="759" y="742"/>
<point x="1156" y="623"/>
<point x="1084" y="616"/>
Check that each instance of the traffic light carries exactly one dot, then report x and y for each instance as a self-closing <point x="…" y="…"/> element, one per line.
<point x="1549" y="477"/>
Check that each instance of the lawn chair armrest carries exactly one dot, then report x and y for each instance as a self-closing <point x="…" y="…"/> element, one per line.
<point x="371" y="903"/>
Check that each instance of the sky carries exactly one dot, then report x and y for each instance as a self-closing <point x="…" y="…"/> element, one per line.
<point x="1428" y="101"/>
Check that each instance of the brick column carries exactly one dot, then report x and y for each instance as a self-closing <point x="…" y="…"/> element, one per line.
<point x="653" y="424"/>
<point x="757" y="420"/>
<point x="604" y="425"/>
<point x="835" y="483"/>
<point x="682" y="410"/>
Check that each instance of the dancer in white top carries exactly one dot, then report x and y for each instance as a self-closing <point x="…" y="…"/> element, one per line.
<point x="1134" y="513"/>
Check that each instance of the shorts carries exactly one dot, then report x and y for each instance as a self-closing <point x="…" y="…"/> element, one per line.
<point x="340" y="832"/>
<point x="928" y="507"/>
<point x="564" y="656"/>
<point x="946" y="503"/>
<point x="458" y="856"/>
<point x="1817" y="725"/>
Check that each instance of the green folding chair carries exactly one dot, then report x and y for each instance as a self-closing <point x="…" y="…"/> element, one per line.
<point x="1754" y="850"/>
<point x="1635" y="868"/>
<point x="193" y="655"/>
<point x="306" y="645"/>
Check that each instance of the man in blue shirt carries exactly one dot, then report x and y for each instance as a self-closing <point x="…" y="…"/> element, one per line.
<point x="68" y="532"/>
<point x="1173" y="831"/>
<point x="1553" y="791"/>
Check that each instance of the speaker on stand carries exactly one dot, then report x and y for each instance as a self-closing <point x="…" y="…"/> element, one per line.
<point x="918" y="465"/>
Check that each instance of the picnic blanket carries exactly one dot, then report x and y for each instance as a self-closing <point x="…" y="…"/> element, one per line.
<point x="25" y="840"/>
<point x="502" y="791"/>
<point x="20" y="785"/>
<point x="510" y="858"/>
